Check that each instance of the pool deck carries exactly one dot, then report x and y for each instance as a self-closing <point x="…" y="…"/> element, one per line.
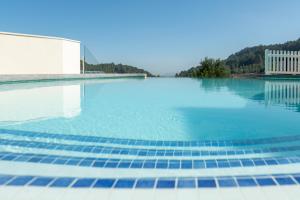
<point x="38" y="193"/>
<point x="48" y="77"/>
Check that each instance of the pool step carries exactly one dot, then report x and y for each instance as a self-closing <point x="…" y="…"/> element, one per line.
<point x="154" y="143"/>
<point x="146" y="163"/>
<point x="94" y="149"/>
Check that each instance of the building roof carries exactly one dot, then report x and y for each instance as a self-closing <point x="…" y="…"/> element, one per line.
<point x="38" y="36"/>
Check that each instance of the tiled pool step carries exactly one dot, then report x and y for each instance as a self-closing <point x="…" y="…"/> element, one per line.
<point x="111" y="145"/>
<point x="158" y="143"/>
<point x="146" y="163"/>
<point x="152" y="183"/>
<point x="141" y="151"/>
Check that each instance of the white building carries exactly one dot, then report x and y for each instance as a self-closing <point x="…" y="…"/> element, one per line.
<point x="35" y="54"/>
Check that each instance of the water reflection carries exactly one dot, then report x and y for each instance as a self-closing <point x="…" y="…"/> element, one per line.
<point x="38" y="103"/>
<point x="283" y="93"/>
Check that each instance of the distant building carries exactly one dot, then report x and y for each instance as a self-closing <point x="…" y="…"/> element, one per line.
<point x="35" y="54"/>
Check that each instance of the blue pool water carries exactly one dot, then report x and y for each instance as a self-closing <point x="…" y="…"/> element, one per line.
<point x="155" y="108"/>
<point x="161" y="133"/>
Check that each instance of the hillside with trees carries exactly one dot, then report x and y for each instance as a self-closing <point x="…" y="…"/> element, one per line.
<point x="114" y="68"/>
<point x="248" y="60"/>
<point x="251" y="59"/>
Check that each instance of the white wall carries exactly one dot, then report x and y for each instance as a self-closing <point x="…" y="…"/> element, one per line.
<point x="29" y="54"/>
<point x="71" y="57"/>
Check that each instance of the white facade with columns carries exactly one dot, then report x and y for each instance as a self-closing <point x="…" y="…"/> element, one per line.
<point x="35" y="54"/>
<point x="282" y="62"/>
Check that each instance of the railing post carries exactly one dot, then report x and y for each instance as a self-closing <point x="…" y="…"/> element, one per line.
<point x="298" y="61"/>
<point x="280" y="57"/>
<point x="292" y="61"/>
<point x="83" y="62"/>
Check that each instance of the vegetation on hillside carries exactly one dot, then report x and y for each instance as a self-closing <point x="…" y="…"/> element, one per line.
<point x="251" y="59"/>
<point x="208" y="68"/>
<point x="248" y="60"/>
<point x="114" y="68"/>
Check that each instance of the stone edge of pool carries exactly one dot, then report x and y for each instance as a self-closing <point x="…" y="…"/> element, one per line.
<point x="52" y="77"/>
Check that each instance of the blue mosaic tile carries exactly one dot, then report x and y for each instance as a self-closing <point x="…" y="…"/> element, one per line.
<point x="62" y="182"/>
<point x="165" y="183"/>
<point x="124" y="164"/>
<point x="47" y="160"/>
<point x="247" y="163"/>
<point x="20" y="180"/>
<point x="271" y="161"/>
<point x="60" y="161"/>
<point x="211" y="164"/>
<point x="99" y="164"/>
<point x="5" y="178"/>
<point x="111" y="164"/>
<point x="145" y="183"/>
<point x="206" y="183"/>
<point x="149" y="152"/>
<point x="8" y="157"/>
<point x="162" y="165"/>
<point x="174" y="165"/>
<point x="297" y="178"/>
<point x="186" y="183"/>
<point x="186" y="164"/>
<point x="104" y="183"/>
<point x="259" y="162"/>
<point x="41" y="181"/>
<point x="198" y="164"/>
<point x="265" y="181"/>
<point x="35" y="159"/>
<point x="228" y="182"/>
<point x="283" y="161"/>
<point x="84" y="182"/>
<point x="285" y="181"/>
<point x="246" y="182"/>
<point x="136" y="164"/>
<point x="22" y="158"/>
<point x="223" y="164"/>
<point x="73" y="162"/>
<point x="85" y="163"/>
<point x="235" y="163"/>
<point x="124" y="183"/>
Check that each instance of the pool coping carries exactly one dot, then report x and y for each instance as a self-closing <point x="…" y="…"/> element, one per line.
<point x="21" y="78"/>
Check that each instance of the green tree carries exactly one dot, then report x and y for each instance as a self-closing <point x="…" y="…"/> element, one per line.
<point x="208" y="68"/>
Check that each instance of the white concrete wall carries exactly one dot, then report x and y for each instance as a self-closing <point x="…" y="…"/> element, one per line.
<point x="30" y="54"/>
<point x="71" y="57"/>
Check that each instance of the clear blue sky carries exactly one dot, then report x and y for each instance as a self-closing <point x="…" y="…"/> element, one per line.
<point x="162" y="36"/>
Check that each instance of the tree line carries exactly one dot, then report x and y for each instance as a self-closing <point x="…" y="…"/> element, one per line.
<point x="113" y="68"/>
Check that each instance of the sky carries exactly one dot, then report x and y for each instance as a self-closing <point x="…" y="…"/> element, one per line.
<point x="161" y="36"/>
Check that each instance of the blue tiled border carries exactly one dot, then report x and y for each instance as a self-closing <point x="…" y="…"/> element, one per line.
<point x="153" y="183"/>
<point x="160" y="143"/>
<point x="146" y="163"/>
<point x="141" y="151"/>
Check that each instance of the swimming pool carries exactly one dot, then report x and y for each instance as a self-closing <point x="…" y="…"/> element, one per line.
<point x="150" y="133"/>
